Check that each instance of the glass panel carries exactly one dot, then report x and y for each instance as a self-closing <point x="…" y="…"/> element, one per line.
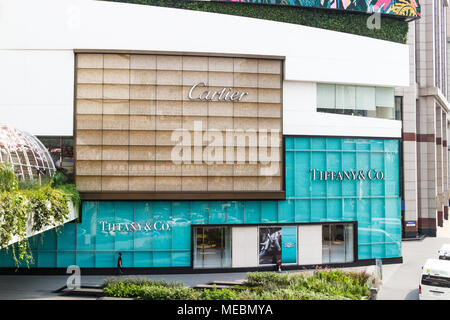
<point x="349" y="256"/>
<point x="365" y="98"/>
<point x="345" y="97"/>
<point x="212" y="247"/>
<point x="337" y="243"/>
<point x="326" y="97"/>
<point x="384" y="97"/>
<point x="326" y="243"/>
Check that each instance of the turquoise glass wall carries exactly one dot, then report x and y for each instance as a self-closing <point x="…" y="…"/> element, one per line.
<point x="375" y="205"/>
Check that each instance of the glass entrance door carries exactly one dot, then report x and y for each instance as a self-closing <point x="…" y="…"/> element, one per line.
<point x="212" y="247"/>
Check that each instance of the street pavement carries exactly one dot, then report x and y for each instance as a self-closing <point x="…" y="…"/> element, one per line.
<point x="400" y="281"/>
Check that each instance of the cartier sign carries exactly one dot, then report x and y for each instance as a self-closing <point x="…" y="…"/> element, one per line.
<point x="198" y="93"/>
<point x="323" y="175"/>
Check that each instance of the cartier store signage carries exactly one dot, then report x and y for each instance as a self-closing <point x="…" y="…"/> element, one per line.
<point x="198" y="93"/>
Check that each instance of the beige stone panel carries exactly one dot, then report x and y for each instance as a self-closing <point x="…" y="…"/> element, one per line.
<point x="88" y="168"/>
<point x="115" y="183"/>
<point x="142" y="61"/>
<point x="116" y="122"/>
<point x="115" y="168"/>
<point x="241" y="123"/>
<point x="168" y="123"/>
<point x="245" y="109"/>
<point x="220" y="123"/>
<point x="142" y="122"/>
<point x="142" y="92"/>
<point x="245" y="138"/>
<point x="89" y="121"/>
<point x="246" y="80"/>
<point x="169" y="92"/>
<point x="116" y="61"/>
<point x="164" y="138"/>
<point x="272" y="169"/>
<point x="115" y="153"/>
<point x="167" y="168"/>
<point x="220" y="64"/>
<point x="169" y="78"/>
<point x="244" y="155"/>
<point x="89" y="60"/>
<point x="245" y="183"/>
<point x="269" y="66"/>
<point x="191" y="78"/>
<point x="88" y="153"/>
<point x="168" y="183"/>
<point x="89" y="137"/>
<point x="143" y="107"/>
<point x="116" y="107"/>
<point x="164" y="153"/>
<point x="89" y="75"/>
<point x="195" y="63"/>
<point x="194" y="184"/>
<point x="220" y="109"/>
<point x="269" y="184"/>
<point x="191" y="169"/>
<point x="169" y="62"/>
<point x="269" y="110"/>
<point x="142" y="184"/>
<point x="142" y="77"/>
<point x="89" y="91"/>
<point x="269" y="81"/>
<point x="195" y="108"/>
<point x="270" y="123"/>
<point x="245" y="65"/>
<point x="198" y="123"/>
<point x="142" y="138"/>
<point x="220" y="79"/>
<point x="116" y="91"/>
<point x="142" y="168"/>
<point x="246" y="169"/>
<point x="142" y="153"/>
<point x="251" y="96"/>
<point x="116" y="138"/>
<point x="269" y="95"/>
<point x="220" y="183"/>
<point x="220" y="170"/>
<point x="89" y="106"/>
<point x="116" y="76"/>
<point x="89" y="183"/>
<point x="169" y="108"/>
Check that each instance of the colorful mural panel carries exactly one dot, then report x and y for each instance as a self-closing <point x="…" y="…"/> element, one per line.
<point x="403" y="8"/>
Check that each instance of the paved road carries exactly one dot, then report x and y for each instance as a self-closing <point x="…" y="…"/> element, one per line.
<point x="401" y="282"/>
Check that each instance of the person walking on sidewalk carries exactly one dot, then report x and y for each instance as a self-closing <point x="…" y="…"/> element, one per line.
<point x="119" y="264"/>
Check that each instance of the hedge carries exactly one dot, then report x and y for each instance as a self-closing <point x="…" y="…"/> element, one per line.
<point x="392" y="29"/>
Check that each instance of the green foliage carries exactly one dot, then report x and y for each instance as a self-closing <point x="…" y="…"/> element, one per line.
<point x="320" y="285"/>
<point x="392" y="29"/>
<point x="20" y="202"/>
<point x="8" y="180"/>
<point x="220" y="294"/>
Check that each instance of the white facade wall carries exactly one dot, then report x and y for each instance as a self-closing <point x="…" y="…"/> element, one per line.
<point x="244" y="247"/>
<point x="309" y="244"/>
<point x="37" y="52"/>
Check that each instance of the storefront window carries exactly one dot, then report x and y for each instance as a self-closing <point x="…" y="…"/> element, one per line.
<point x="374" y="102"/>
<point x="337" y="243"/>
<point x="277" y="243"/>
<point x="61" y="151"/>
<point x="212" y="247"/>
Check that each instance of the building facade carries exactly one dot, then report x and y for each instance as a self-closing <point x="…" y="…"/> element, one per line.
<point x="195" y="152"/>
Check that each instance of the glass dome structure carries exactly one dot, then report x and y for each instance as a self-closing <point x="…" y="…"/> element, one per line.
<point x="28" y="157"/>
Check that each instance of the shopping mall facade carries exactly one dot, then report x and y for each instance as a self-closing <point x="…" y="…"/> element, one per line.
<point x="223" y="143"/>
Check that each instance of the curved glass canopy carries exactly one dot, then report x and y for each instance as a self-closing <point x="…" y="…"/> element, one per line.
<point x="28" y="157"/>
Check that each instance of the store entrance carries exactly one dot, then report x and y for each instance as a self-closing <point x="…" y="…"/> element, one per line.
<point x="212" y="247"/>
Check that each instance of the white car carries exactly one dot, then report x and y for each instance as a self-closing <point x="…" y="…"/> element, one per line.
<point x="444" y="252"/>
<point x="435" y="280"/>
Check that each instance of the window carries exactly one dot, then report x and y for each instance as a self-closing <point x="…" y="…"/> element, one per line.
<point x="375" y="102"/>
<point x="61" y="151"/>
<point x="435" y="281"/>
<point x="212" y="247"/>
<point x="337" y="243"/>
